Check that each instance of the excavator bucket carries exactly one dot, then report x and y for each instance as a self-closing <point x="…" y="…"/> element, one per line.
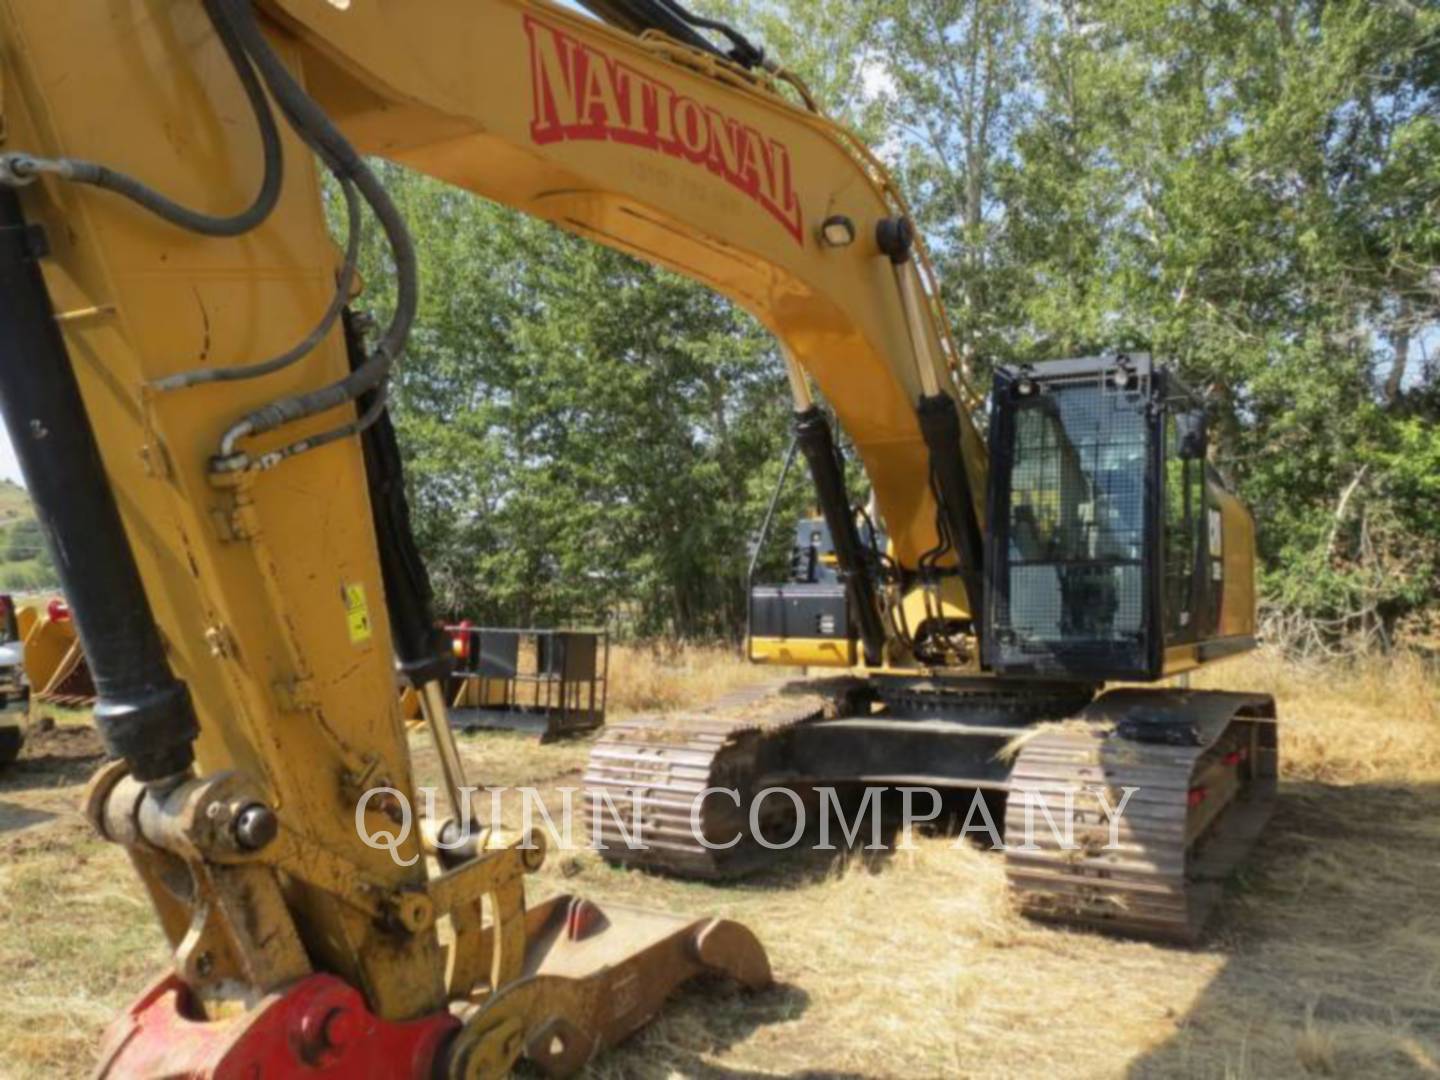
<point x="72" y="685"/>
<point x="54" y="659"/>
<point x="46" y="642"/>
<point x="604" y="973"/>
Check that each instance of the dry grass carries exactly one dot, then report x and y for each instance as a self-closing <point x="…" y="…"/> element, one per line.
<point x="662" y="675"/>
<point x="1324" y="959"/>
<point x="1372" y="721"/>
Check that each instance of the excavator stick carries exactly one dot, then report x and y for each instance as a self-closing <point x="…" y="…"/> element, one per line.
<point x="242" y="601"/>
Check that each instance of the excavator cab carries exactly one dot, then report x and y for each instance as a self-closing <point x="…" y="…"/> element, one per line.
<point x="1115" y="549"/>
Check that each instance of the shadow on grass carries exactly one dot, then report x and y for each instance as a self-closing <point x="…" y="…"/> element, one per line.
<point x="703" y="1019"/>
<point x="1332" y="939"/>
<point x="13" y="817"/>
<point x="696" y="1026"/>
<point x="1329" y="936"/>
<point x="57" y="757"/>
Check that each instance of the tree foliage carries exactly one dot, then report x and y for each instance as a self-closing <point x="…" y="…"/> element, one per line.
<point x="588" y="437"/>
<point x="1251" y="190"/>
<point x="25" y="561"/>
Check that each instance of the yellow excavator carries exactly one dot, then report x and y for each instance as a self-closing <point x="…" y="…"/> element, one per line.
<point x="202" y="426"/>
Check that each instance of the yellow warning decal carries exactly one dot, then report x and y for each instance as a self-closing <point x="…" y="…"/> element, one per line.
<point x="357" y="614"/>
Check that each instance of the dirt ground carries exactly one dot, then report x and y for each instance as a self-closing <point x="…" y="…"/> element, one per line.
<point x="1324" y="959"/>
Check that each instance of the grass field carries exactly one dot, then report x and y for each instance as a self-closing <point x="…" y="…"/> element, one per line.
<point x="1324" y="959"/>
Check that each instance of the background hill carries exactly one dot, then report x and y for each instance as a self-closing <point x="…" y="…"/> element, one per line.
<point x="25" y="563"/>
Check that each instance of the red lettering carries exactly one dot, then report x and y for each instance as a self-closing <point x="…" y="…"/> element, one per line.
<point x="581" y="94"/>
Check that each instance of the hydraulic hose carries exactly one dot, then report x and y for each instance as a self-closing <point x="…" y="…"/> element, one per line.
<point x="742" y="50"/>
<point x="234" y="24"/>
<point x="940" y="425"/>
<point x="638" y="16"/>
<point x="371" y="414"/>
<point x="18" y="169"/>
<point x="312" y="122"/>
<point x="420" y="647"/>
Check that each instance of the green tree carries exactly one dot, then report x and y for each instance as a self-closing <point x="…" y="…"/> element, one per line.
<point x="24" y="541"/>
<point x="1240" y="187"/>
<point x="586" y="435"/>
<point x="1249" y="190"/>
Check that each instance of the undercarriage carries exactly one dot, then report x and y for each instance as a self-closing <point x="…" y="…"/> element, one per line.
<point x="1124" y="812"/>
